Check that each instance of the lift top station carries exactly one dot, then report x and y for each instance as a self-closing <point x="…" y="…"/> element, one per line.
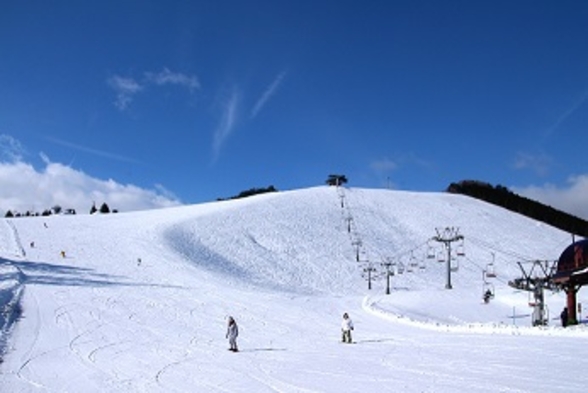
<point x="572" y="274"/>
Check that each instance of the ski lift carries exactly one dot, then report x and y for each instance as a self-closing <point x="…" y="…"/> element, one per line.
<point x="400" y="268"/>
<point x="460" y="250"/>
<point x="430" y="252"/>
<point x="440" y="256"/>
<point x="409" y="268"/>
<point x="422" y="265"/>
<point x="490" y="269"/>
<point x="487" y="289"/>
<point x="454" y="264"/>
<point x="532" y="302"/>
<point x="413" y="260"/>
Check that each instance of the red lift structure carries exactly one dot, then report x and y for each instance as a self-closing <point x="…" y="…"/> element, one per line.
<point x="572" y="274"/>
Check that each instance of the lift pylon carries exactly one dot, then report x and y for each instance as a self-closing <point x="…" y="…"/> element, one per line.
<point x="535" y="280"/>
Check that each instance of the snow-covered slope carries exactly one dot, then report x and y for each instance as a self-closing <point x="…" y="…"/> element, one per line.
<point x="137" y="301"/>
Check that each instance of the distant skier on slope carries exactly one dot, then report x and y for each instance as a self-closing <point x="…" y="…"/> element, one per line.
<point x="346" y="328"/>
<point x="232" y="333"/>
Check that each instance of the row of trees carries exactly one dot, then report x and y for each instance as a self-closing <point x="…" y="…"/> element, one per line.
<point x="250" y="192"/>
<point x="103" y="209"/>
<point x="58" y="210"/>
<point x="502" y="196"/>
<point x="332" y="180"/>
<point x="47" y="212"/>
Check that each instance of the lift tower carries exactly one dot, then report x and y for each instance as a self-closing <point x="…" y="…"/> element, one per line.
<point x="447" y="236"/>
<point x="536" y="279"/>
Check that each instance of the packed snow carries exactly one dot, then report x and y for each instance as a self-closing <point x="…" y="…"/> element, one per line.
<point x="139" y="302"/>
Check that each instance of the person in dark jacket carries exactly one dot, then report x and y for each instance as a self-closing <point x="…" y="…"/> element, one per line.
<point x="487" y="296"/>
<point x="232" y="333"/>
<point x="564" y="317"/>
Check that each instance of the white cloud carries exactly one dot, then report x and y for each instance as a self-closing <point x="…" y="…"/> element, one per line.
<point x="267" y="94"/>
<point x="166" y="77"/>
<point x="125" y="89"/>
<point x="227" y="123"/>
<point x="23" y="188"/>
<point x="571" y="199"/>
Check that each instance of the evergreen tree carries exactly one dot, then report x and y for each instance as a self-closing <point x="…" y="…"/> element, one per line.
<point x="336" y="180"/>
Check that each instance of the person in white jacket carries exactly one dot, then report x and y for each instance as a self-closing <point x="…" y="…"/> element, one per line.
<point x="346" y="328"/>
<point x="232" y="333"/>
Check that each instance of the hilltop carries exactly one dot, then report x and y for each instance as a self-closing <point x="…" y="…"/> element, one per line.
<point x="138" y="301"/>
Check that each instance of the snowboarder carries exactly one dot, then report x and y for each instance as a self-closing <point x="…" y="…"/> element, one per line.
<point x="487" y="296"/>
<point x="346" y="328"/>
<point x="564" y="317"/>
<point x="232" y="333"/>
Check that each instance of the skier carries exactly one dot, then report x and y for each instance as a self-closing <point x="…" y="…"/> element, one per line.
<point x="346" y="328"/>
<point x="232" y="333"/>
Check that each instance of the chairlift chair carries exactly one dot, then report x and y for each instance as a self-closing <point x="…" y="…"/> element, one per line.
<point x="440" y="256"/>
<point x="430" y="252"/>
<point x="490" y="271"/>
<point x="532" y="302"/>
<point x="413" y="260"/>
<point x="460" y="250"/>
<point x="454" y="264"/>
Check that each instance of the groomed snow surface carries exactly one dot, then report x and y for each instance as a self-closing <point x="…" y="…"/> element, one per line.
<point x="138" y="301"/>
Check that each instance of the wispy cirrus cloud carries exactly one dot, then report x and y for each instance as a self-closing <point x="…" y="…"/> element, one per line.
<point x="90" y="150"/>
<point x="384" y="165"/>
<point x="10" y="148"/>
<point x="227" y="122"/>
<point x="573" y="108"/>
<point x="539" y="163"/>
<point x="127" y="87"/>
<point x="167" y="77"/>
<point x="267" y="94"/>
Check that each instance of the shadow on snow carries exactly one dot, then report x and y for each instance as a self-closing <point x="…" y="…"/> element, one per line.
<point x="15" y="275"/>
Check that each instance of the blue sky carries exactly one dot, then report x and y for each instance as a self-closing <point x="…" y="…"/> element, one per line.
<point x="147" y="104"/>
